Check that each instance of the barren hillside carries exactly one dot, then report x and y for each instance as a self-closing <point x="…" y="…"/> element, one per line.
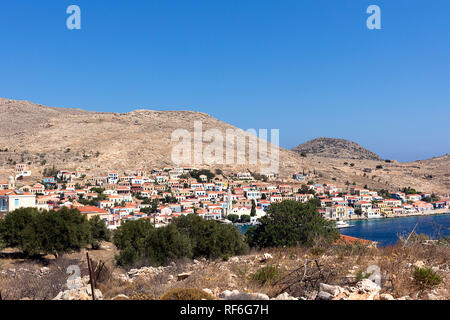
<point x="97" y="142"/>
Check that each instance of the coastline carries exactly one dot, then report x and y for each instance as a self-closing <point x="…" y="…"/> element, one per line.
<point x="392" y="216"/>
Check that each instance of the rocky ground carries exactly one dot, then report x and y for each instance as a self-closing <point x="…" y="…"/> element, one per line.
<point x="338" y="273"/>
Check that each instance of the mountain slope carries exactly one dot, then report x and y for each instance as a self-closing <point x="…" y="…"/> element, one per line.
<point x="336" y="148"/>
<point x="111" y="141"/>
<point x="98" y="142"/>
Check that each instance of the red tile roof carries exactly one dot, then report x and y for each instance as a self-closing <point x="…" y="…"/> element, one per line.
<point x="352" y="240"/>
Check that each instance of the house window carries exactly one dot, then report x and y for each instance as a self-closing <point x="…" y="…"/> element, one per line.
<point x="16" y="202"/>
<point x="3" y="205"/>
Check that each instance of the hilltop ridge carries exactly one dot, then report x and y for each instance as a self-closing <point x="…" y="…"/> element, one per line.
<point x="336" y="148"/>
<point x="67" y="138"/>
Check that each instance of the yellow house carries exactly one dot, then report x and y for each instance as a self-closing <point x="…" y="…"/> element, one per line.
<point x="339" y="212"/>
<point x="384" y="207"/>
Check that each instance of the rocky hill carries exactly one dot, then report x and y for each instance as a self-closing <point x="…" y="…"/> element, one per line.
<point x="74" y="138"/>
<point x="336" y="148"/>
<point x="97" y="142"/>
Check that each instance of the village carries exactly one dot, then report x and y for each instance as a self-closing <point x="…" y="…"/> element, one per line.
<point x="161" y="195"/>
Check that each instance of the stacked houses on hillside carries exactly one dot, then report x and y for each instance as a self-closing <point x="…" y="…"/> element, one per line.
<point x="161" y="195"/>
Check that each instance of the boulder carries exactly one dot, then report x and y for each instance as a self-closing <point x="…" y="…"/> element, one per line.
<point x="285" y="296"/>
<point x="183" y="276"/>
<point x="324" y="296"/>
<point x="236" y="295"/>
<point x="121" y="297"/>
<point x="208" y="291"/>
<point x="266" y="257"/>
<point x="367" y="286"/>
<point x="83" y="293"/>
<point x="386" y="296"/>
<point x="333" y="290"/>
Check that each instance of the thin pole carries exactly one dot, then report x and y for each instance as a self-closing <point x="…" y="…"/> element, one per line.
<point x="90" y="275"/>
<point x="411" y="234"/>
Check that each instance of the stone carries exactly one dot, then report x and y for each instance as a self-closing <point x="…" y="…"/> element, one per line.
<point x="121" y="297"/>
<point x="183" y="276"/>
<point x="285" y="296"/>
<point x="208" y="291"/>
<point x="386" y="296"/>
<point x="267" y="256"/>
<point x="432" y="296"/>
<point x="83" y="293"/>
<point x="367" y="286"/>
<point x="333" y="290"/>
<point x="324" y="295"/>
<point x="236" y="295"/>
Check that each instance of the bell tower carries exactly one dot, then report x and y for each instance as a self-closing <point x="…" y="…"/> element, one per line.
<point x="11" y="183"/>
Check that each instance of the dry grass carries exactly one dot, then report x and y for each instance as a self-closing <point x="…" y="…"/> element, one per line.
<point x="338" y="265"/>
<point x="27" y="282"/>
<point x="186" y="294"/>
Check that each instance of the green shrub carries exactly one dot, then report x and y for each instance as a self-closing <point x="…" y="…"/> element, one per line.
<point x="426" y="277"/>
<point x="186" y="294"/>
<point x="49" y="232"/>
<point x="186" y="237"/>
<point x="166" y="244"/>
<point x="361" y="275"/>
<point x="267" y="274"/>
<point x="291" y="223"/>
<point x="132" y="233"/>
<point x="99" y="231"/>
<point x="209" y="238"/>
<point x="126" y="256"/>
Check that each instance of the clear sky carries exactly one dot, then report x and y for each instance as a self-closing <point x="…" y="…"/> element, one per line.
<point x="310" y="68"/>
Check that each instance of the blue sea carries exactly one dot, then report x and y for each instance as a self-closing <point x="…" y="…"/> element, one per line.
<point x="386" y="231"/>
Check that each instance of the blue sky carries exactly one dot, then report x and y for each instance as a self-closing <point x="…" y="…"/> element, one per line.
<point x="310" y="68"/>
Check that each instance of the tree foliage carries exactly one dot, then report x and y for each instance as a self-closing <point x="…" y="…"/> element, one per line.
<point x="197" y="173"/>
<point x="50" y="232"/>
<point x="291" y="223"/>
<point x="209" y="238"/>
<point x="187" y="237"/>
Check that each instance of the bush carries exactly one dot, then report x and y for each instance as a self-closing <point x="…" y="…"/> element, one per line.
<point x="186" y="237"/>
<point x="426" y="277"/>
<point x="233" y="218"/>
<point x="267" y="274"/>
<point x="209" y="238"/>
<point x="361" y="275"/>
<point x="166" y="244"/>
<point x="132" y="234"/>
<point x="291" y="223"/>
<point x="48" y="232"/>
<point x="197" y="173"/>
<point x="186" y="294"/>
<point x="127" y="256"/>
<point x="99" y="231"/>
